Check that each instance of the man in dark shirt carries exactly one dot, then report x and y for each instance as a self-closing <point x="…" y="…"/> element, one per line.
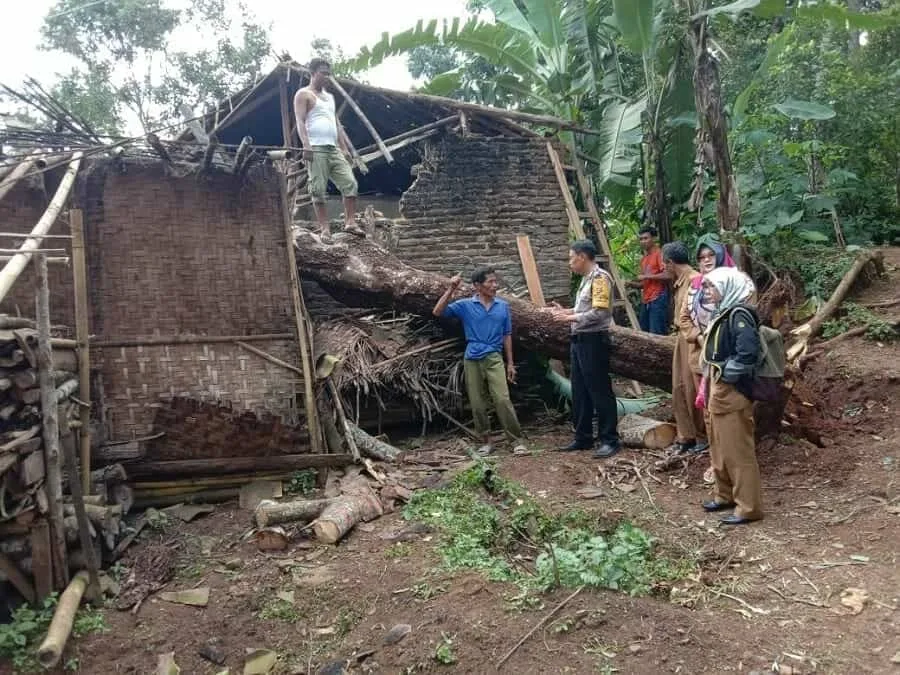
<point x="487" y="324"/>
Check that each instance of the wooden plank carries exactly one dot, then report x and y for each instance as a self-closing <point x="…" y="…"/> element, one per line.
<point x="17" y="579"/>
<point x="575" y="226"/>
<point x="228" y="465"/>
<point x="362" y="118"/>
<point x="304" y="335"/>
<point x="285" y="108"/>
<point x="529" y="267"/>
<point x="41" y="559"/>
<point x="50" y="422"/>
<point x="82" y="337"/>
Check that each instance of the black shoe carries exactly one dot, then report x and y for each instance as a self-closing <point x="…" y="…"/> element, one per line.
<point x="699" y="447"/>
<point x="734" y="520"/>
<point x="575" y="446"/>
<point x="607" y="450"/>
<point x="681" y="447"/>
<point x="712" y="506"/>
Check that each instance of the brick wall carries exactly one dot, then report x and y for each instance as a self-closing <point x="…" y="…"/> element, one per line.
<point x="470" y="200"/>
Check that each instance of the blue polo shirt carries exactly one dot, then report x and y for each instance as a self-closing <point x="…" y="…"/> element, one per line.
<point x="484" y="328"/>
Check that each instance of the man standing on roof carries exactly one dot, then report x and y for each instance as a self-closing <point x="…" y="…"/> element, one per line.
<point x="325" y="149"/>
<point x="487" y="324"/>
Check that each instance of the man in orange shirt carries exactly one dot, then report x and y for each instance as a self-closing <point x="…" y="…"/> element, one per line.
<point x="654" y="284"/>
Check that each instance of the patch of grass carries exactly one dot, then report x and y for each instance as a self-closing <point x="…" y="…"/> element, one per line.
<point x="425" y="591"/>
<point x="398" y="550"/>
<point x="302" y="482"/>
<point x="347" y="620"/>
<point x="491" y="524"/>
<point x="443" y="654"/>
<point x="279" y="609"/>
<point x="19" y="639"/>
<point x="191" y="571"/>
<point x="857" y="316"/>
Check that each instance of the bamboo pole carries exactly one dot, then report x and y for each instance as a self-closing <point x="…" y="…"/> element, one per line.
<point x="412" y="132"/>
<point x="170" y="340"/>
<point x="303" y="336"/>
<point x="14" y="267"/>
<point x="15" y="176"/>
<point x="372" y="156"/>
<point x="82" y="336"/>
<point x="268" y="357"/>
<point x="209" y="153"/>
<point x="242" y="153"/>
<point x="63" y="619"/>
<point x="285" y="108"/>
<point x="342" y="418"/>
<point x="362" y="118"/>
<point x="84" y="535"/>
<point x="50" y="422"/>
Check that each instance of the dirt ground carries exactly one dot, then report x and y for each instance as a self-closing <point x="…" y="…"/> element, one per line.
<point x="767" y="597"/>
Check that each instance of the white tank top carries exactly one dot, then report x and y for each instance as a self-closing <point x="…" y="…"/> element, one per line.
<point x="321" y="124"/>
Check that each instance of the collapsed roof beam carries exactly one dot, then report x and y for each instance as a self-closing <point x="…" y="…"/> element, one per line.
<point x="365" y="120"/>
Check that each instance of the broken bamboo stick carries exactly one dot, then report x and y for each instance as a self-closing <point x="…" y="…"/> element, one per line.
<point x="411" y="133"/>
<point x="19" y="172"/>
<point x="50" y="424"/>
<point x="14" y="267"/>
<point x="243" y="152"/>
<point x="342" y="418"/>
<point x="268" y="357"/>
<point x="365" y="120"/>
<point x="209" y="153"/>
<point x="63" y="619"/>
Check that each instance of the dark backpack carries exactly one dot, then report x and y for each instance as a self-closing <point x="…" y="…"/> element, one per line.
<point x="768" y="374"/>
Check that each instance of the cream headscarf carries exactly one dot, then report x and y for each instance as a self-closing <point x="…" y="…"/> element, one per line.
<point x="734" y="286"/>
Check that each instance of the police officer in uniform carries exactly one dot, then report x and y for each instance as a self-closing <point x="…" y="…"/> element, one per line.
<point x="590" y="318"/>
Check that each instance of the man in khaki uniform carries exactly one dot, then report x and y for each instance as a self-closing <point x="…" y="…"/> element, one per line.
<point x="686" y="356"/>
<point x="325" y="147"/>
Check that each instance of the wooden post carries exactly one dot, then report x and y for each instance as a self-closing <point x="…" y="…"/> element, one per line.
<point x="362" y="118"/>
<point x="303" y="336"/>
<point x="50" y="421"/>
<point x="82" y="337"/>
<point x="529" y="267"/>
<point x="575" y="226"/>
<point x="42" y="559"/>
<point x="285" y="108"/>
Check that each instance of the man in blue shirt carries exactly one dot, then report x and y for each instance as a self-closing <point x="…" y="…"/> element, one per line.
<point x="487" y="324"/>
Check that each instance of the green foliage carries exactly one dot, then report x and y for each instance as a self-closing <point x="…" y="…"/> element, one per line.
<point x="126" y="60"/>
<point x="279" y="609"/>
<point x="857" y="316"/>
<point x="484" y="520"/>
<point x="443" y="654"/>
<point x="398" y="550"/>
<point x="820" y="268"/>
<point x="19" y="639"/>
<point x="302" y="482"/>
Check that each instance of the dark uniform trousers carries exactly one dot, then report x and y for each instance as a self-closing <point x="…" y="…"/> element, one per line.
<point x="592" y="392"/>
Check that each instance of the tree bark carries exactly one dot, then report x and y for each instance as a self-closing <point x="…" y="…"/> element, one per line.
<point x="711" y="112"/>
<point x="372" y="273"/>
<point x="638" y="431"/>
<point x="343" y="513"/>
<point x="268" y="514"/>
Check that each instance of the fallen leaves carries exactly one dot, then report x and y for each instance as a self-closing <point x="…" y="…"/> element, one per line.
<point x="195" y="597"/>
<point x="855" y="598"/>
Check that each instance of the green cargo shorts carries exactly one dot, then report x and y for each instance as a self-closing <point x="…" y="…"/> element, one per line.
<point x="329" y="163"/>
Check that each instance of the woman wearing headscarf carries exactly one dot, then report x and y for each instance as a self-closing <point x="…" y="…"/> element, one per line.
<point x="730" y="352"/>
<point x="694" y="315"/>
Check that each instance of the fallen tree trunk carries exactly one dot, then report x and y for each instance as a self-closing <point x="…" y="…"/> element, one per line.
<point x="274" y="513"/>
<point x="368" y="270"/>
<point x="372" y="447"/>
<point x="813" y="327"/>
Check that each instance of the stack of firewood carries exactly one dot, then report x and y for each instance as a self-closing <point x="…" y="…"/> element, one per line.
<point x="29" y="488"/>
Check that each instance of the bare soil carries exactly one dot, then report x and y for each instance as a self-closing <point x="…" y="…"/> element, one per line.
<point x="765" y="597"/>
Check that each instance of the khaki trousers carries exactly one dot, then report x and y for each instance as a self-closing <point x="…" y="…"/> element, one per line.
<point x="688" y="418"/>
<point x="732" y="449"/>
<point x="488" y="375"/>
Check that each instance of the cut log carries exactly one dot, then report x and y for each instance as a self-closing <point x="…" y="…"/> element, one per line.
<point x="63" y="619"/>
<point x="638" y="431"/>
<point x="273" y="513"/>
<point x="375" y="275"/>
<point x="340" y="516"/>
<point x="374" y="448"/>
<point x="227" y="465"/>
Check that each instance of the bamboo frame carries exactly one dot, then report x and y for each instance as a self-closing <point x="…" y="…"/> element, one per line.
<point x="82" y="337"/>
<point x="268" y="357"/>
<point x="362" y="118"/>
<point x="14" y="267"/>
<point x="170" y="340"/>
<point x="413" y="132"/>
<point x="303" y="336"/>
<point x="371" y="157"/>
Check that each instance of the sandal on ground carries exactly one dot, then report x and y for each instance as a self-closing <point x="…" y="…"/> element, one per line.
<point x="484" y="450"/>
<point x="354" y="230"/>
<point x="520" y="449"/>
<point x="709" y="476"/>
